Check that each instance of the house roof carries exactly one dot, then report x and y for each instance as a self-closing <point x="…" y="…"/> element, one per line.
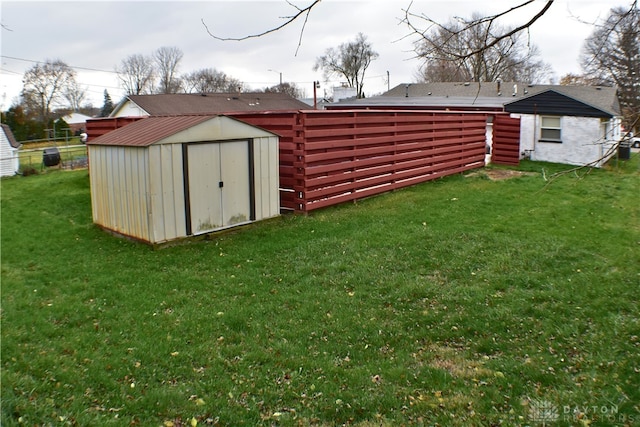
<point x="487" y="95"/>
<point x="554" y="102"/>
<point x="212" y="103"/>
<point x="76" y="118"/>
<point x="12" y="139"/>
<point x="157" y="129"/>
<point x="423" y="102"/>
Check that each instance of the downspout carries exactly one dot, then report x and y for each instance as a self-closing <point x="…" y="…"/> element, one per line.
<point x="535" y="128"/>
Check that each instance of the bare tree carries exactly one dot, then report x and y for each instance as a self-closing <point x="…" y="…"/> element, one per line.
<point x="578" y="80"/>
<point x="210" y="80"/>
<point x="611" y="56"/>
<point x="136" y="73"/>
<point x="349" y="60"/>
<point x="445" y="52"/>
<point x="44" y="85"/>
<point x="289" y="88"/>
<point x="167" y="60"/>
<point x="419" y="24"/>
<point x="75" y="95"/>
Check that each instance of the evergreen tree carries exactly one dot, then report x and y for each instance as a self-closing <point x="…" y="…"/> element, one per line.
<point x="108" y="106"/>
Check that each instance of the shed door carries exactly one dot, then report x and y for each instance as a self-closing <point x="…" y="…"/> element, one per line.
<point x="218" y="185"/>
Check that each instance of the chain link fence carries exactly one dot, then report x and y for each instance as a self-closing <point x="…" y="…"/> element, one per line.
<point x="33" y="158"/>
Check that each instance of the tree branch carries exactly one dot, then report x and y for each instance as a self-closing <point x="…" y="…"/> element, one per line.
<point x="469" y="25"/>
<point x="289" y="19"/>
<point x="592" y="164"/>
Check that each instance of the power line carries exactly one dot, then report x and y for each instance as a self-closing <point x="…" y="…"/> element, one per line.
<point x="70" y="66"/>
<point x="4" y="70"/>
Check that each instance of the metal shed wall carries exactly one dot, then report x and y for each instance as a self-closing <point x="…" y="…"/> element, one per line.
<point x="120" y="188"/>
<point x="266" y="177"/>
<point x="166" y="193"/>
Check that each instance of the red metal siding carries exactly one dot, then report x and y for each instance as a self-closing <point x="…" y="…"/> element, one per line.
<point x="99" y="127"/>
<point x="506" y="140"/>
<point x="284" y="125"/>
<point x="348" y="155"/>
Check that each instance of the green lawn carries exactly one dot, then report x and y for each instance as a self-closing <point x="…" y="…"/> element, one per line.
<point x="458" y="302"/>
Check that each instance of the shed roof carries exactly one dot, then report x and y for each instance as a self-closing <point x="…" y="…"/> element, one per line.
<point x="10" y="137"/>
<point x="212" y="103"/>
<point x="158" y="129"/>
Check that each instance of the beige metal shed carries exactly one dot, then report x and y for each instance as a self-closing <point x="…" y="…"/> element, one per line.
<point x="165" y="178"/>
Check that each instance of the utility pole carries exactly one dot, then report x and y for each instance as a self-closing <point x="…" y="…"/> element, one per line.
<point x="316" y="85"/>
<point x="279" y="72"/>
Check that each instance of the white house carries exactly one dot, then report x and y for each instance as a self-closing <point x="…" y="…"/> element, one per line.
<point x="578" y="125"/>
<point x="9" y="161"/>
<point x="76" y="121"/>
<point x="569" y="124"/>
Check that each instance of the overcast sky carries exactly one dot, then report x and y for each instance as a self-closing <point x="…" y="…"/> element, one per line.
<point x="94" y="37"/>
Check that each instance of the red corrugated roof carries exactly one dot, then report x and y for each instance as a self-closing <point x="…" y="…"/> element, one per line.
<point x="147" y="131"/>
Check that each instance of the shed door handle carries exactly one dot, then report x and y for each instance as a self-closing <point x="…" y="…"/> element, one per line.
<point x="220" y="184"/>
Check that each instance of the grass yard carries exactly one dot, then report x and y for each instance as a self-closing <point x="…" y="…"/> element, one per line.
<point x="460" y="302"/>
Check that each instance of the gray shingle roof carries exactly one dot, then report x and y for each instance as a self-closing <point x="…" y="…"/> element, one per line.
<point x="600" y="97"/>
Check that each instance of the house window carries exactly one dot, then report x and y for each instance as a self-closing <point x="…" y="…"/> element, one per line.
<point x="607" y="130"/>
<point x="550" y="130"/>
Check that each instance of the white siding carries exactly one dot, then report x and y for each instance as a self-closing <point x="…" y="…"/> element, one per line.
<point x="9" y="162"/>
<point x="582" y="141"/>
<point x="129" y="109"/>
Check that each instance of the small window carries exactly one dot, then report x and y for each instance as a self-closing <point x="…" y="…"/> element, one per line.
<point x="550" y="130"/>
<point x="607" y="130"/>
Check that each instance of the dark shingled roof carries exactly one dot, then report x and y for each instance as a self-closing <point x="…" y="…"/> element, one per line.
<point x="555" y="102"/>
<point x="215" y="103"/>
<point x="10" y="137"/>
